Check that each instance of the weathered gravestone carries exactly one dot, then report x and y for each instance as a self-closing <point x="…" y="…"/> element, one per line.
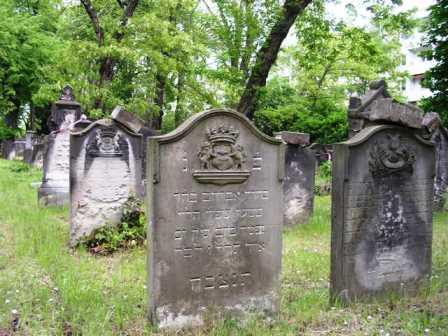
<point x="29" y="143"/>
<point x="298" y="183"/>
<point x="13" y="149"/>
<point x="105" y="170"/>
<point x="382" y="207"/>
<point x="439" y="136"/>
<point x="216" y="219"/>
<point x="55" y="183"/>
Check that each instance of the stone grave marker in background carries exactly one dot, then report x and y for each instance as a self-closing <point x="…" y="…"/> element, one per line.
<point x="135" y="124"/>
<point x="298" y="183"/>
<point x="55" y="183"/>
<point x="105" y="170"/>
<point x="13" y="149"/>
<point x="382" y="205"/>
<point x="29" y="144"/>
<point x="439" y="136"/>
<point x="216" y="215"/>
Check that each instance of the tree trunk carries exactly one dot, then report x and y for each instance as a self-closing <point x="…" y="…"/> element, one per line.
<point x="156" y="122"/>
<point x="108" y="64"/>
<point x="267" y="55"/>
<point x="179" y="113"/>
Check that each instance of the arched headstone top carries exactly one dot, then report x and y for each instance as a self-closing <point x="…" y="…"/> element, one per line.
<point x="366" y="133"/>
<point x="188" y="125"/>
<point x="105" y="123"/>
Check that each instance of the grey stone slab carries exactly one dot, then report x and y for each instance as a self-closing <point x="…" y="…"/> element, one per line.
<point x="294" y="138"/>
<point x="128" y="119"/>
<point x="381" y="212"/>
<point x="378" y="107"/>
<point x="56" y="170"/>
<point x="440" y="139"/>
<point x="55" y="186"/>
<point x="105" y="170"/>
<point x="298" y="184"/>
<point x="216" y="215"/>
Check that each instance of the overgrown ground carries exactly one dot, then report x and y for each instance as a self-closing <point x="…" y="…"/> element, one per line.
<point x="47" y="289"/>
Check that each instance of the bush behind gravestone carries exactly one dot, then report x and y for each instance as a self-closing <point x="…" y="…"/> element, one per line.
<point x="322" y="186"/>
<point x="130" y="232"/>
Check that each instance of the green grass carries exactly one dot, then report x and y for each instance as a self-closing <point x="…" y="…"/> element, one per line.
<point x="58" y="291"/>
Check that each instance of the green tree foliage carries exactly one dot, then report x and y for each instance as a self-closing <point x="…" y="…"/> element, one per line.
<point x="436" y="79"/>
<point x="166" y="59"/>
<point x="150" y="54"/>
<point x="330" y="61"/>
<point x="236" y="29"/>
<point x="27" y="39"/>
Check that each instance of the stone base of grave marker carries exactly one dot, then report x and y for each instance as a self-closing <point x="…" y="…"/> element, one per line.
<point x="55" y="188"/>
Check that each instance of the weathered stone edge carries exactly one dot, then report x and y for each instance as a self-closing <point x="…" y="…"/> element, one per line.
<point x="191" y="122"/>
<point x="363" y="135"/>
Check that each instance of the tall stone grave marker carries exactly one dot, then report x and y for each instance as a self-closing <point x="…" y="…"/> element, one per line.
<point x="105" y="170"/>
<point x="55" y="184"/>
<point x="382" y="206"/>
<point x="216" y="219"/>
<point x="298" y="184"/>
<point x="439" y="136"/>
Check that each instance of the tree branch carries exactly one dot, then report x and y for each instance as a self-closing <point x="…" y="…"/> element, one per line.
<point x="267" y="55"/>
<point x="128" y="13"/>
<point x="95" y="21"/>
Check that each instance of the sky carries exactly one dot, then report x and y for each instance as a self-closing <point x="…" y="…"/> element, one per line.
<point x="338" y="9"/>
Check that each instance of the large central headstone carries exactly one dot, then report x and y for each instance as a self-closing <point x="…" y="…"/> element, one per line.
<point x="382" y="206"/>
<point x="216" y="219"/>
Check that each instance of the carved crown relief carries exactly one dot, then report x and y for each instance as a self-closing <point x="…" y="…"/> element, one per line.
<point x="390" y="156"/>
<point x="222" y="160"/>
<point x="106" y="143"/>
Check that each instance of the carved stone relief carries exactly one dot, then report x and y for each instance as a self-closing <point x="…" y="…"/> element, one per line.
<point x="106" y="143"/>
<point x="222" y="159"/>
<point x="390" y="156"/>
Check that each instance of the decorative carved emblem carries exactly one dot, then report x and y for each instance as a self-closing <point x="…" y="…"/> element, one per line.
<point x="391" y="156"/>
<point x="105" y="144"/>
<point x="67" y="94"/>
<point x="221" y="159"/>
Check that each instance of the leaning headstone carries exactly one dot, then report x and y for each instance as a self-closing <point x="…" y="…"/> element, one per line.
<point x="382" y="207"/>
<point x="216" y="220"/>
<point x="298" y="183"/>
<point x="105" y="170"/>
<point x="55" y="183"/>
<point x="439" y="136"/>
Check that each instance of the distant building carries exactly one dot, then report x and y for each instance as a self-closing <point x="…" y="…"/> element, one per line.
<point x="416" y="66"/>
<point x="413" y="63"/>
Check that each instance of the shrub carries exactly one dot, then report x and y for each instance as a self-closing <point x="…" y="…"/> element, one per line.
<point x="129" y="233"/>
